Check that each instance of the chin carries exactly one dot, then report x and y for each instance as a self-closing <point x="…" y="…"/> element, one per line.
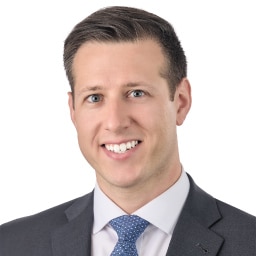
<point x="126" y="182"/>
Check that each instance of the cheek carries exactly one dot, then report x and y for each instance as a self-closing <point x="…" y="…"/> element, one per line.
<point x="85" y="119"/>
<point x="85" y="126"/>
<point x="162" y="118"/>
<point x="165" y="129"/>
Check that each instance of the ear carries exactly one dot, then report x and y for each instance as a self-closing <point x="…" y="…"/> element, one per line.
<point x="71" y="105"/>
<point x="183" y="100"/>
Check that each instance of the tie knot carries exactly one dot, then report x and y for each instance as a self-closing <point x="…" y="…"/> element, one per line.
<point x="129" y="227"/>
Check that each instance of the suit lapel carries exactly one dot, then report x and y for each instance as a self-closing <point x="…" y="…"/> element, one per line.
<point x="192" y="239"/>
<point x="192" y="235"/>
<point x="74" y="238"/>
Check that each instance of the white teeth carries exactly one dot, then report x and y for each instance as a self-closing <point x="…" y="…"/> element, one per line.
<point x="116" y="148"/>
<point x="128" y="145"/>
<point x="121" y="148"/>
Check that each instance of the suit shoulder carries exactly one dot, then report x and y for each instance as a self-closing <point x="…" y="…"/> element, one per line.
<point x="52" y="216"/>
<point x="38" y="218"/>
<point x="232" y="213"/>
<point x="199" y="200"/>
<point x="238" y="229"/>
<point x="34" y="229"/>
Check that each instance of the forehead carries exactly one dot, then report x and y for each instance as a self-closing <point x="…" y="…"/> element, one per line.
<point x="140" y="49"/>
<point x="145" y="43"/>
<point x="115" y="59"/>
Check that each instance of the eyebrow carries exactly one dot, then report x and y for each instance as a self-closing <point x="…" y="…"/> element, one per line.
<point x="135" y="84"/>
<point x="90" y="88"/>
<point x="138" y="84"/>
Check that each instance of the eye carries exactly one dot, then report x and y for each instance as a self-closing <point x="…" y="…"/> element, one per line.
<point x="136" y="93"/>
<point x="94" y="98"/>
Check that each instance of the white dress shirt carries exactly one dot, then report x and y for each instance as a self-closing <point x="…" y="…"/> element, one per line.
<point x="162" y="213"/>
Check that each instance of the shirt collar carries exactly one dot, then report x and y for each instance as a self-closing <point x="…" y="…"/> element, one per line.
<point x="104" y="210"/>
<point x="166" y="206"/>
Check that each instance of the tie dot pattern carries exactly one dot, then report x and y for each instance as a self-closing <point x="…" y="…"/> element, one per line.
<point x="128" y="228"/>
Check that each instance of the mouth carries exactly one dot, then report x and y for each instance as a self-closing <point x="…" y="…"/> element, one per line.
<point x="121" y="148"/>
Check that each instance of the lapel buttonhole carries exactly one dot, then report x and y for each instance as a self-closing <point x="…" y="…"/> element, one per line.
<point x="204" y="250"/>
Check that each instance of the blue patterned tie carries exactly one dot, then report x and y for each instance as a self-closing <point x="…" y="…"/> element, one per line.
<point x="128" y="229"/>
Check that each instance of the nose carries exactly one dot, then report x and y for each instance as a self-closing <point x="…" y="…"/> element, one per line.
<point x="117" y="116"/>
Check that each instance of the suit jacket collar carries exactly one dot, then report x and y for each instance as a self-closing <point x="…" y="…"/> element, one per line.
<point x="74" y="238"/>
<point x="192" y="235"/>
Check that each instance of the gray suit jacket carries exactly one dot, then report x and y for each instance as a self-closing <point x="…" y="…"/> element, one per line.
<point x="206" y="227"/>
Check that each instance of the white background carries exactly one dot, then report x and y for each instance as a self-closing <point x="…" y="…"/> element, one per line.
<point x="40" y="163"/>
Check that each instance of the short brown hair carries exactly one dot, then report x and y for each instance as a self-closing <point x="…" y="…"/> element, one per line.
<point x="119" y="23"/>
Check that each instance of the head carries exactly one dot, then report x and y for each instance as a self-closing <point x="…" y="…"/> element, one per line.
<point x="129" y="90"/>
<point x="126" y="24"/>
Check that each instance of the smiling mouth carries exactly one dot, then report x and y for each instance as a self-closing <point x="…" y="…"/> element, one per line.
<point x="121" y="148"/>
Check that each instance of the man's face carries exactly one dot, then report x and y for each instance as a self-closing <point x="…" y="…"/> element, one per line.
<point x="125" y="120"/>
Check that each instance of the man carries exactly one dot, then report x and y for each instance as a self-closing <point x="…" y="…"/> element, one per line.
<point x="129" y="91"/>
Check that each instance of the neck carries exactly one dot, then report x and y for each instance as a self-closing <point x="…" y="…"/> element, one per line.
<point x="132" y="198"/>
